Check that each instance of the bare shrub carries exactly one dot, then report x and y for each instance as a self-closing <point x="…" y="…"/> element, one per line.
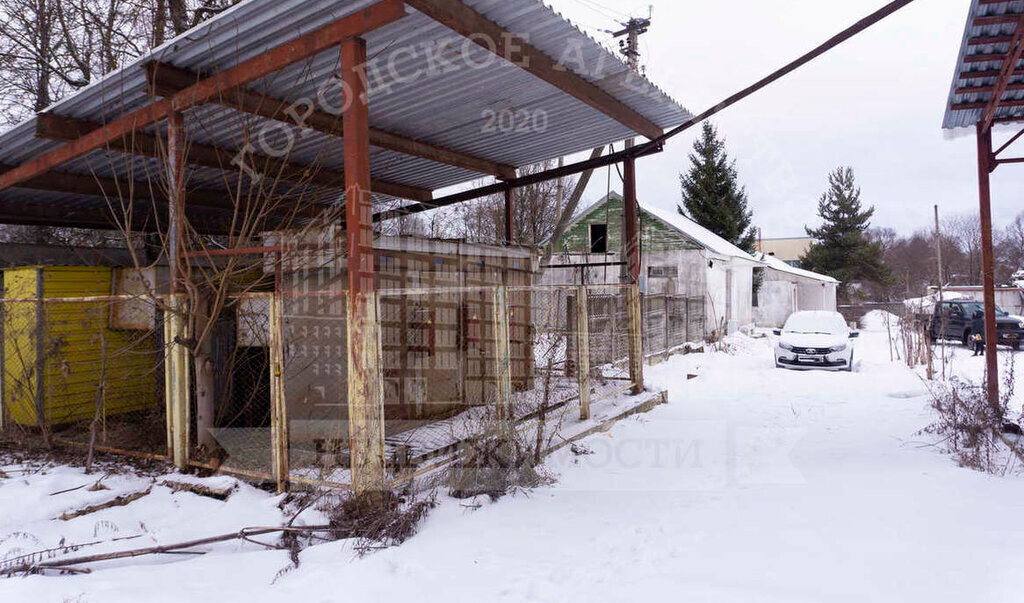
<point x="969" y="425"/>
<point x="380" y="521"/>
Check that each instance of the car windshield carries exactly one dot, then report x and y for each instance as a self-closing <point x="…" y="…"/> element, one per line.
<point x="971" y="307"/>
<point x="822" y="323"/>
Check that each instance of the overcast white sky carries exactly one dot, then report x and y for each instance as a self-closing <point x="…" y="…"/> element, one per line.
<point x="875" y="103"/>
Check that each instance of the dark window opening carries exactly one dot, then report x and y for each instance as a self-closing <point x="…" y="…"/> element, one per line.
<point x="598" y="238"/>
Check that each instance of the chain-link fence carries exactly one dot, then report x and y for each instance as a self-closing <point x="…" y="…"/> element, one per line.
<point x="84" y="370"/>
<point x="451" y="359"/>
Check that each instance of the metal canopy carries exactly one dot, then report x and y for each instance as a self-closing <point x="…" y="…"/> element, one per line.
<point x="989" y="79"/>
<point x="428" y="86"/>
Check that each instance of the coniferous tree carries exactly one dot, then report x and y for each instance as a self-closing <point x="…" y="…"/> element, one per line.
<point x="712" y="195"/>
<point x="841" y="247"/>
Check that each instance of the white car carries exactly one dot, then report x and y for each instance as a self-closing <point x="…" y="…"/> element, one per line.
<point x="815" y="340"/>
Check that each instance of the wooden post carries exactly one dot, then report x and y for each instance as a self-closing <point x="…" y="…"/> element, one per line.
<point x="503" y="365"/>
<point x="278" y="410"/>
<point x="583" y="351"/>
<point x="365" y="382"/>
<point x="636" y="344"/>
<point x="176" y="354"/>
<point x="634" y="313"/>
<point x="988" y="277"/>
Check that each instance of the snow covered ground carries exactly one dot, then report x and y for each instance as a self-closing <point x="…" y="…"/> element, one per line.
<point x="752" y="484"/>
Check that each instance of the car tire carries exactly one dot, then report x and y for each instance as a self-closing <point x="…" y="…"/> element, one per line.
<point x="967" y="338"/>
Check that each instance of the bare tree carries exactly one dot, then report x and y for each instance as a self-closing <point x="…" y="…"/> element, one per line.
<point x="535" y="212"/>
<point x="964" y="230"/>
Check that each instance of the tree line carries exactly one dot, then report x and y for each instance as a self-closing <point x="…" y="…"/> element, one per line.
<point x="872" y="263"/>
<point x="51" y="48"/>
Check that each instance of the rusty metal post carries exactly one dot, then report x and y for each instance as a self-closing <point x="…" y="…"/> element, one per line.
<point x="503" y="363"/>
<point x="278" y="416"/>
<point x="583" y="351"/>
<point x="365" y="390"/>
<point x="509" y="215"/>
<point x="176" y="354"/>
<point x="988" y="278"/>
<point x="631" y="230"/>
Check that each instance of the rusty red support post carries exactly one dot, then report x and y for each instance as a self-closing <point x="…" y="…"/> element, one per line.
<point x="631" y="220"/>
<point x="509" y="219"/>
<point x="365" y="386"/>
<point x="988" y="280"/>
<point x="631" y="233"/>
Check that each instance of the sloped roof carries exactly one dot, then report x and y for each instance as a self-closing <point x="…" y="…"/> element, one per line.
<point x="410" y="97"/>
<point x="688" y="228"/>
<point x="776" y="264"/>
<point x="702" y="236"/>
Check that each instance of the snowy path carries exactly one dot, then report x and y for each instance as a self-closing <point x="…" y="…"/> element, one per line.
<point x="752" y="484"/>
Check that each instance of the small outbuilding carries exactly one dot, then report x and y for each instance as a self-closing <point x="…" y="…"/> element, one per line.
<point x="786" y="289"/>
<point x="678" y="258"/>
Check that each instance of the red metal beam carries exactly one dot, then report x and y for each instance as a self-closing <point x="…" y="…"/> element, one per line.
<point x="489" y="35"/>
<point x="987" y="89"/>
<point x="1006" y="144"/>
<point x="57" y="127"/>
<point x="1009" y="66"/>
<point x="987" y="40"/>
<point x="359" y="208"/>
<point x="996" y="19"/>
<point x="988" y="279"/>
<point x="985" y="104"/>
<point x="370" y="18"/>
<point x="631" y="220"/>
<point x="978" y="75"/>
<point x="509" y="215"/>
<point x="166" y="80"/>
<point x="176" y="153"/>
<point x="984" y="58"/>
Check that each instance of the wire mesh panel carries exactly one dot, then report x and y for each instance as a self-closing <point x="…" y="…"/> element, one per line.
<point x="85" y="370"/>
<point x="231" y="401"/>
<point x="545" y="321"/>
<point x="609" y="339"/>
<point x="315" y="373"/>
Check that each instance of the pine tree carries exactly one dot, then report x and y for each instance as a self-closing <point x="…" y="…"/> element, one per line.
<point x="841" y="247"/>
<point x="712" y="195"/>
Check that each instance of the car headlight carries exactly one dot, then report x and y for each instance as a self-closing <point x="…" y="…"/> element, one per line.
<point x="785" y="346"/>
<point x="1020" y="324"/>
<point x="837" y="348"/>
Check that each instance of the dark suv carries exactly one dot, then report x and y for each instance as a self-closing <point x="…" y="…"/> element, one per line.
<point x="955" y="319"/>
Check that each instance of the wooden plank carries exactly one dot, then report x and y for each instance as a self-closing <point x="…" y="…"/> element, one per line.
<point x="583" y="350"/>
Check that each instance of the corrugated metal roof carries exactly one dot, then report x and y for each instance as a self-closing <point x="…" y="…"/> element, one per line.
<point x="970" y="62"/>
<point x="447" y="108"/>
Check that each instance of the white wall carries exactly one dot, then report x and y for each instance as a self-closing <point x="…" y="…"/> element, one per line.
<point x="775" y="303"/>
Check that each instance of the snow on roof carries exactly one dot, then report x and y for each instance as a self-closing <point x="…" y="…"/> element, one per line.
<point x="776" y="264"/>
<point x="702" y="236"/>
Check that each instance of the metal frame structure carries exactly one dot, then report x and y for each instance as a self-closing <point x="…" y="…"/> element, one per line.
<point x="986" y="92"/>
<point x="56" y="170"/>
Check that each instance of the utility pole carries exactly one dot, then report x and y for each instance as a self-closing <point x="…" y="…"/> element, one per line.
<point x="630" y="47"/>
<point x="631" y="220"/>
<point x="941" y="327"/>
